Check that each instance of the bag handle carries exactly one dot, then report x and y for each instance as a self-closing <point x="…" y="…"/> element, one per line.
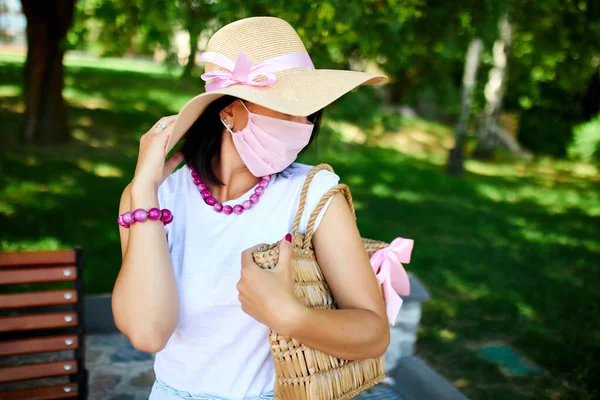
<point x="304" y="194"/>
<point x="341" y="188"/>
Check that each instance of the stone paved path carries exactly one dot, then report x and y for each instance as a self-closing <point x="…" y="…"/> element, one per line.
<point x="117" y="371"/>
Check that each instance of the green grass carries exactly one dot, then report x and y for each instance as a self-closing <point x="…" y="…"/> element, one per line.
<point x="510" y="251"/>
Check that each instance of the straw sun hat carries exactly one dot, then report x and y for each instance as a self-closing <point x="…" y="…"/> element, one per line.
<point x="263" y="60"/>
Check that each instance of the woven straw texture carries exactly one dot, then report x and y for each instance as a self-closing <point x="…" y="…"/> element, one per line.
<point x="297" y="91"/>
<point x="303" y="372"/>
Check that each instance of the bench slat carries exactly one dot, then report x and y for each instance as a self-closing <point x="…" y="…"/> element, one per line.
<point x="39" y="345"/>
<point x="45" y="298"/>
<point x="36" y="258"/>
<point x="38" y="275"/>
<point x="35" y="371"/>
<point x="63" y="391"/>
<point x="38" y="321"/>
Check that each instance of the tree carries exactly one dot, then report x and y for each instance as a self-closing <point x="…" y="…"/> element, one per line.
<point x="494" y="91"/>
<point x="122" y="27"/>
<point x="45" y="109"/>
<point x="473" y="59"/>
<point x="554" y="58"/>
<point x="192" y="20"/>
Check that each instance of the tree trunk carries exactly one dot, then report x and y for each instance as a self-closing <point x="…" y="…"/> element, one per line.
<point x="191" y="62"/>
<point x="494" y="92"/>
<point x="45" y="109"/>
<point x="455" y="158"/>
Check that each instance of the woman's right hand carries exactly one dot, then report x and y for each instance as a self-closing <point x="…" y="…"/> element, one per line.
<point x="152" y="169"/>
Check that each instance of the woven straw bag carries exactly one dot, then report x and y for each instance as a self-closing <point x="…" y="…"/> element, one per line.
<point x="302" y="372"/>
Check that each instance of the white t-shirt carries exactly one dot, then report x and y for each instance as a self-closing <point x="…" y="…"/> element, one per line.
<point x="217" y="349"/>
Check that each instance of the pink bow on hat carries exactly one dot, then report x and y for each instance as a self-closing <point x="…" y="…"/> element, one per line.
<point x="243" y="72"/>
<point x="387" y="265"/>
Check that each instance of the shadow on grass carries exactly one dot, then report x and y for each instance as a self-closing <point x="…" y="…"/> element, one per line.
<point x="516" y="271"/>
<point x="506" y="258"/>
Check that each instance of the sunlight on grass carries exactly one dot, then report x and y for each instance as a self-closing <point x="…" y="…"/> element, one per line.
<point x="553" y="170"/>
<point x="356" y="180"/>
<point x="81" y="98"/>
<point x="408" y="196"/>
<point x="349" y="133"/>
<point x="418" y="137"/>
<point x="100" y="169"/>
<point x="31" y="193"/>
<point x="526" y="311"/>
<point x="45" y="243"/>
<point x="385" y="191"/>
<point x="387" y="176"/>
<point x="444" y="305"/>
<point x="447" y="335"/>
<point x="10" y="90"/>
<point x="17" y="107"/>
<point x="6" y="208"/>
<point x="464" y="289"/>
<point x="106" y="63"/>
<point x="491" y="192"/>
<point x="578" y="169"/>
<point x="358" y="205"/>
<point x="32" y="160"/>
<point x="381" y="190"/>
<point x="489" y="169"/>
<point x="122" y="64"/>
<point x="84" y="121"/>
<point x="171" y="100"/>
<point x="12" y="57"/>
<point x="554" y="199"/>
<point x="536" y="234"/>
<point x="92" y="141"/>
<point x="22" y="189"/>
<point x="461" y="383"/>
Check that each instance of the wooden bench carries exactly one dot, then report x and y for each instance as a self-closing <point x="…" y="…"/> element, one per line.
<point x="36" y="321"/>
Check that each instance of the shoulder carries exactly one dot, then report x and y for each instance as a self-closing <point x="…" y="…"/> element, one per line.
<point x="322" y="182"/>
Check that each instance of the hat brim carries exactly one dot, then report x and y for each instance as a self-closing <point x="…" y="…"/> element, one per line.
<point x="299" y="92"/>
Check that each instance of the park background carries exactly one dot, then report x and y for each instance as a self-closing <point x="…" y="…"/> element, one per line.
<point x="484" y="148"/>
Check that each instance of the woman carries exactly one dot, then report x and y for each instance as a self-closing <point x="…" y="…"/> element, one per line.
<point x="190" y="290"/>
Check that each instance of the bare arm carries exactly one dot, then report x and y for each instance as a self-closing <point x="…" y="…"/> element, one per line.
<point x="145" y="301"/>
<point x="359" y="329"/>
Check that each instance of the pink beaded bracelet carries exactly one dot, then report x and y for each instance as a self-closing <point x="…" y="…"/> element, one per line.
<point x="140" y="215"/>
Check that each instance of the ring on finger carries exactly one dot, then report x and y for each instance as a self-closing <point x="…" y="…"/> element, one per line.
<point x="161" y="125"/>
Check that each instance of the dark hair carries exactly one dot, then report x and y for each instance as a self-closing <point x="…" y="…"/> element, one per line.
<point x="202" y="142"/>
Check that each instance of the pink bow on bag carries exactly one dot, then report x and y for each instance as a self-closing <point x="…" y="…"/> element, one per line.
<point x="243" y="72"/>
<point x="387" y="265"/>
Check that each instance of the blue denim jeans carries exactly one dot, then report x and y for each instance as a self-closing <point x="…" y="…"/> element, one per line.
<point x="162" y="391"/>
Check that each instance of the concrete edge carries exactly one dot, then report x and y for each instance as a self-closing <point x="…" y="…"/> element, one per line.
<point x="416" y="380"/>
<point x="418" y="292"/>
<point x="98" y="314"/>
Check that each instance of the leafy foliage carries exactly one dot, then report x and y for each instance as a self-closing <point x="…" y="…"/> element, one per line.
<point x="420" y="44"/>
<point x="586" y="141"/>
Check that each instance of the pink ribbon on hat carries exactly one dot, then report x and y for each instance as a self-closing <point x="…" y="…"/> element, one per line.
<point x="387" y="265"/>
<point x="243" y="72"/>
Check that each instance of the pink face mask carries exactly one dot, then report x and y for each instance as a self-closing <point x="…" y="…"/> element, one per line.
<point x="268" y="145"/>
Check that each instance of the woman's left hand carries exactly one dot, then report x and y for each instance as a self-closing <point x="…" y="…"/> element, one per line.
<point x="267" y="295"/>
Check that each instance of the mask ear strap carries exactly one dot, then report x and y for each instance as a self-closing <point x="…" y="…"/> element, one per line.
<point x="244" y="106"/>
<point x="226" y="125"/>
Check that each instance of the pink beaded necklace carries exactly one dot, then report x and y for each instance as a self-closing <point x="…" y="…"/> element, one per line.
<point x="228" y="210"/>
